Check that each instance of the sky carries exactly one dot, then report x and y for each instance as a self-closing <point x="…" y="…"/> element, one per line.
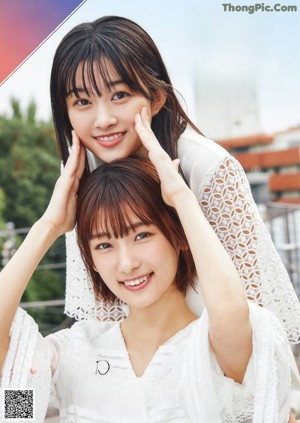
<point x="215" y="57"/>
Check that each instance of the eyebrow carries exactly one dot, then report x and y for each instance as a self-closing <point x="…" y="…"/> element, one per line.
<point x="109" y="85"/>
<point x="129" y="228"/>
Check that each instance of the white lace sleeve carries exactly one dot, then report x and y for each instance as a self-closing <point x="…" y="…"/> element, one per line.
<point x="226" y="200"/>
<point x="264" y="396"/>
<point x="80" y="300"/>
<point x="27" y="364"/>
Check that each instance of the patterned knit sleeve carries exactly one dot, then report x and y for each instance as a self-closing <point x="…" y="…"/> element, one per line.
<point x="226" y="200"/>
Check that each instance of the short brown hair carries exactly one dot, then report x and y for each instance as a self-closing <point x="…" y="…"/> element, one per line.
<point x="106" y="197"/>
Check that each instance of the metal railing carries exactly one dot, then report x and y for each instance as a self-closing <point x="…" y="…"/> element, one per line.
<point x="283" y="222"/>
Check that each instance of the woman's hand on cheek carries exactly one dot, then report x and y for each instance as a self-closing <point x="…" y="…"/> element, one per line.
<point x="61" y="212"/>
<point x="75" y="139"/>
<point x="172" y="183"/>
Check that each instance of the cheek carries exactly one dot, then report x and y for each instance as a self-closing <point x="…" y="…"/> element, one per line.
<point x="139" y="104"/>
<point x="164" y="255"/>
<point x="79" y="122"/>
<point x="105" y="266"/>
<point x="98" y="261"/>
<point x="71" y="115"/>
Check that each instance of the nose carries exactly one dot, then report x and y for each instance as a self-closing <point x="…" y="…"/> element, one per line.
<point x="104" y="116"/>
<point x="127" y="260"/>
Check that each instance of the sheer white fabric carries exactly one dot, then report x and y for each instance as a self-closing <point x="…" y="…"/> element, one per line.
<point x="172" y="387"/>
<point x="224" y="195"/>
<point x="260" y="398"/>
<point x="27" y="365"/>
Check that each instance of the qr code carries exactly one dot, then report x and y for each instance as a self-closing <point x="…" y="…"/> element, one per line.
<point x="18" y="405"/>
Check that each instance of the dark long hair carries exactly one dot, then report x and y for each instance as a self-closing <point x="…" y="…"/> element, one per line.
<point x="136" y="59"/>
<point x="106" y="200"/>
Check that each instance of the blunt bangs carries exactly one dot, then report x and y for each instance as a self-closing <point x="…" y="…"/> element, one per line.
<point x="93" y="58"/>
<point x="115" y="201"/>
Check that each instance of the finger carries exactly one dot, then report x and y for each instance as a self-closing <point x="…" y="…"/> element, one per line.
<point x="80" y="155"/>
<point x="146" y="119"/>
<point x="75" y="142"/>
<point x="176" y="164"/>
<point x="146" y="122"/>
<point x="145" y="133"/>
<point x="141" y="131"/>
<point x="72" y="162"/>
<point x="80" y="169"/>
<point x="81" y="165"/>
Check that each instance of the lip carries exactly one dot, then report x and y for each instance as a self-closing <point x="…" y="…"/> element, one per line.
<point x="137" y="287"/>
<point x="114" y="139"/>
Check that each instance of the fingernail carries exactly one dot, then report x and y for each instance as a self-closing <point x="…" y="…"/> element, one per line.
<point x="70" y="146"/>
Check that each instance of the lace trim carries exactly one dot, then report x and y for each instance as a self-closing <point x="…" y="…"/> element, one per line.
<point x="227" y="203"/>
<point x="80" y="299"/>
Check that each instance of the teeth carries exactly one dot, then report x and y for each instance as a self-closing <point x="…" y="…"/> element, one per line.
<point x="135" y="282"/>
<point x="111" y="137"/>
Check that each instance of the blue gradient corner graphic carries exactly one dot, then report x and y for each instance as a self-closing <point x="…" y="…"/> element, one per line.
<point x="25" y="25"/>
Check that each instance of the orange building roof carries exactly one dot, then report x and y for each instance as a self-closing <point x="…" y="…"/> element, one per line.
<point x="284" y="182"/>
<point x="288" y="200"/>
<point x="248" y="141"/>
<point x="269" y="159"/>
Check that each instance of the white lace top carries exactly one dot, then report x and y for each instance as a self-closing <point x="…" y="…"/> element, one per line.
<point x="223" y="192"/>
<point x="93" y="380"/>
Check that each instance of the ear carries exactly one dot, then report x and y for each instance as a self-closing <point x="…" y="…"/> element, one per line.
<point x="158" y="102"/>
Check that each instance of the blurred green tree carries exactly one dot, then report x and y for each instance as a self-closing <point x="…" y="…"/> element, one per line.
<point x="30" y="165"/>
<point x="2" y="207"/>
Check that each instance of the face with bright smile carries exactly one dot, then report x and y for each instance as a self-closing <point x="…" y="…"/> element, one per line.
<point x="105" y="124"/>
<point x="139" y="268"/>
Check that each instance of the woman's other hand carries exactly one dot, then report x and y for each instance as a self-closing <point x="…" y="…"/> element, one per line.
<point x="172" y="184"/>
<point x="60" y="214"/>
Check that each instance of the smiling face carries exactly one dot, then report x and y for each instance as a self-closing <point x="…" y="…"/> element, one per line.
<point x="112" y="203"/>
<point x="105" y="120"/>
<point x="140" y="267"/>
<point x="132" y="56"/>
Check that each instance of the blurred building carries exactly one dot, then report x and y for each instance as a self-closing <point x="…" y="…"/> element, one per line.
<point x="227" y="100"/>
<point x="272" y="164"/>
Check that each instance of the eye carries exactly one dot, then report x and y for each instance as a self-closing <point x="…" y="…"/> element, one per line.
<point x="142" y="235"/>
<point x="120" y="95"/>
<point x="82" y="102"/>
<point x="103" y="246"/>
